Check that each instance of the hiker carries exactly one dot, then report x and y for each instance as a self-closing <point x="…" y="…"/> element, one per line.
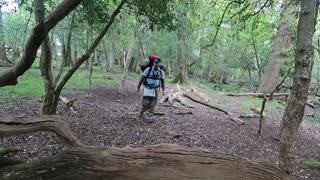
<point x="152" y="79"/>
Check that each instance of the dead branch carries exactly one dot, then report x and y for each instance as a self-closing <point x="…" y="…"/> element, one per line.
<point x="234" y="119"/>
<point x="159" y="114"/>
<point x="260" y="95"/>
<point x="201" y="95"/>
<point x="310" y="115"/>
<point x="69" y="103"/>
<point x="249" y="116"/>
<point x="169" y="105"/>
<point x="20" y="125"/>
<point x="237" y="120"/>
<point x="205" y="104"/>
<point x="183" y="113"/>
<point x="310" y="105"/>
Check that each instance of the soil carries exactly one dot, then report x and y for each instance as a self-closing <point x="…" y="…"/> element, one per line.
<point x="109" y="118"/>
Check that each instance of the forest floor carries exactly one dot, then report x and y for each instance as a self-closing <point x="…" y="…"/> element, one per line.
<point x="109" y="118"/>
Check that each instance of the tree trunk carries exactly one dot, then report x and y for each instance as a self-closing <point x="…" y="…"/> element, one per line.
<point x="181" y="68"/>
<point x="68" y="58"/>
<point x="127" y="62"/>
<point x="3" y="55"/>
<point x="294" y="112"/>
<point x="164" y="161"/>
<point x="271" y="75"/>
<point x="45" y="62"/>
<point x="86" y="55"/>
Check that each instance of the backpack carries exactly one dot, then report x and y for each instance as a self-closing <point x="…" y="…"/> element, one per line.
<point x="149" y="63"/>
<point x="145" y="83"/>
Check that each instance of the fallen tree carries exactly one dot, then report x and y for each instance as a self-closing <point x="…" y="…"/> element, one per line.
<point x="260" y="95"/>
<point x="164" y="161"/>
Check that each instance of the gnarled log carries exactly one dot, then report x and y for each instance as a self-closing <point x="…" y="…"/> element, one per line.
<point x="164" y="161"/>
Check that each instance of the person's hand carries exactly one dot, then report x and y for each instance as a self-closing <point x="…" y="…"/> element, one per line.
<point x="138" y="88"/>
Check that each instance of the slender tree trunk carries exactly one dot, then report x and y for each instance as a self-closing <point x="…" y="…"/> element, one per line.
<point x="294" y="112"/>
<point x="3" y="54"/>
<point x="86" y="55"/>
<point x="90" y="74"/>
<point x="45" y="63"/>
<point x="271" y="75"/>
<point x="68" y="56"/>
<point x="181" y="68"/>
<point x="127" y="62"/>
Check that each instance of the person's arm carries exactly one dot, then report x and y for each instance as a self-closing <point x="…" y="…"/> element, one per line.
<point x="140" y="82"/>
<point x="143" y="78"/>
<point x="162" y="80"/>
<point x="162" y="84"/>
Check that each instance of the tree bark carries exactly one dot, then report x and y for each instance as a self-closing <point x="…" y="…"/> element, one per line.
<point x="86" y="55"/>
<point x="3" y="54"/>
<point x="271" y="75"/>
<point x="163" y="161"/>
<point x="294" y="111"/>
<point x="68" y="50"/>
<point x="181" y="68"/>
<point x="127" y="62"/>
<point x="36" y="38"/>
<point x="45" y="62"/>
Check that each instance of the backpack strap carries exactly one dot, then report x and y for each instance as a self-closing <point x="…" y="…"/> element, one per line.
<point x="145" y="83"/>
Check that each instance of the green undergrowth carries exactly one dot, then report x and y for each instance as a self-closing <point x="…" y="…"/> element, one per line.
<point x="312" y="164"/>
<point x="31" y="84"/>
<point x="272" y="106"/>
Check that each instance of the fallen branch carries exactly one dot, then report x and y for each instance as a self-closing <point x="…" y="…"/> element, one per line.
<point x="201" y="95"/>
<point x="311" y="105"/>
<point x="310" y="115"/>
<point x="168" y="105"/>
<point x="249" y="116"/>
<point x="21" y="125"/>
<point x="205" y="104"/>
<point x="234" y="119"/>
<point x="159" y="114"/>
<point x="69" y="103"/>
<point x="237" y="120"/>
<point x="183" y="113"/>
<point x="260" y="95"/>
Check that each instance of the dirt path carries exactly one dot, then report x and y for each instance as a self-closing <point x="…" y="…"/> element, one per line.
<point x="107" y="118"/>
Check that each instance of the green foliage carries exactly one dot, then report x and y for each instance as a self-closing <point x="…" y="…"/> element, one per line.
<point x="252" y="102"/>
<point x="156" y="13"/>
<point x="31" y="83"/>
<point x="312" y="164"/>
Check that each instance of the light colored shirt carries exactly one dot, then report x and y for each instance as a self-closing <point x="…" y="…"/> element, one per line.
<point x="153" y="80"/>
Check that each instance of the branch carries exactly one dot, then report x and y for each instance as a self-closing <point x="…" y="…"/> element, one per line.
<point x="205" y="104"/>
<point x="11" y="126"/>
<point x="221" y="21"/>
<point x="88" y="53"/>
<point x="36" y="37"/>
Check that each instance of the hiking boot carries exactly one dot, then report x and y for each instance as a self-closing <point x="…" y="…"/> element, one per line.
<point x="150" y="118"/>
<point x="141" y="115"/>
